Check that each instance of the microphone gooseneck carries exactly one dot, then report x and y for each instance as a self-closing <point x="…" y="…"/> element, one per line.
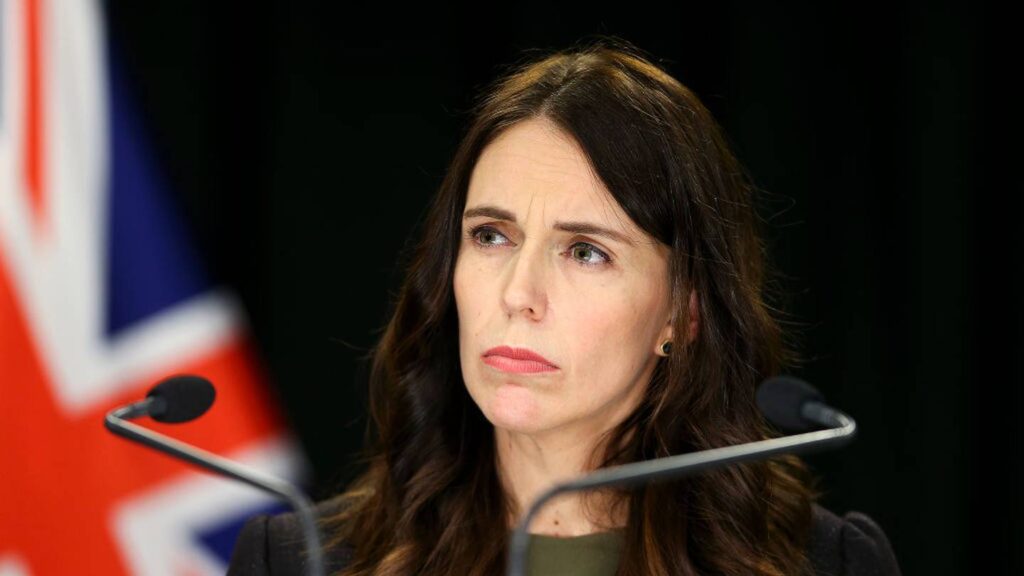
<point x="184" y="398"/>
<point x="788" y="401"/>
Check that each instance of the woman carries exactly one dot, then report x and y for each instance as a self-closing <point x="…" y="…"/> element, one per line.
<point x="587" y="292"/>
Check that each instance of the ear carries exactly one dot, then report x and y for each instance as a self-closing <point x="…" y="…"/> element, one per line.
<point x="694" y="326"/>
<point x="664" y="336"/>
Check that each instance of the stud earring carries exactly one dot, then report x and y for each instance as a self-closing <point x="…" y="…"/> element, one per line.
<point x="666" y="347"/>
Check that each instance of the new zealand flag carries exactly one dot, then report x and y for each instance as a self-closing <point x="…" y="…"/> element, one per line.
<point x="101" y="295"/>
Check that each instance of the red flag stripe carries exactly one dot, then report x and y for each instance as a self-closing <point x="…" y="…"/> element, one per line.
<point x="34" y="118"/>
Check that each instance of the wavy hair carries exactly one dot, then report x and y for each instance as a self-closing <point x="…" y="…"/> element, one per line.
<point x="431" y="502"/>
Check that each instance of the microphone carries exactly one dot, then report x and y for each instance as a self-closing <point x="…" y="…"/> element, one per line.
<point x="181" y="399"/>
<point x="787" y="402"/>
<point x="184" y="398"/>
<point x="794" y="405"/>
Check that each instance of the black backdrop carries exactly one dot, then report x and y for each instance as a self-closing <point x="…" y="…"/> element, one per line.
<point x="304" y="140"/>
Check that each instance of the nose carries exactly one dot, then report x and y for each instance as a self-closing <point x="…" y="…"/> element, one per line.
<point x="525" y="292"/>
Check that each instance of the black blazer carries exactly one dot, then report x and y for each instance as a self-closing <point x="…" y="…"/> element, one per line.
<point x="849" y="546"/>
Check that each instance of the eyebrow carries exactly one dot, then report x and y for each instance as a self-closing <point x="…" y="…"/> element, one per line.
<point x="572" y="227"/>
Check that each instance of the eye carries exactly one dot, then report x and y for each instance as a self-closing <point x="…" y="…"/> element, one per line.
<point x="486" y="236"/>
<point x="584" y="253"/>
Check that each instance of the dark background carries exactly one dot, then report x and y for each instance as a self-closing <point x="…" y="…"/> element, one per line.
<point x="304" y="140"/>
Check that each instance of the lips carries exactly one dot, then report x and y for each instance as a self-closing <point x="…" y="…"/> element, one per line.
<point x="517" y="360"/>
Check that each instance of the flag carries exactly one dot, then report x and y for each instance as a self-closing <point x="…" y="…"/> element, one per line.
<point x="102" y="295"/>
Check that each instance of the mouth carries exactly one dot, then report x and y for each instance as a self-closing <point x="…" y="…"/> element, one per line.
<point x="517" y="360"/>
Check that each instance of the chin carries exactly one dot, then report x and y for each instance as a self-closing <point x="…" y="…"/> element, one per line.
<point x="514" y="409"/>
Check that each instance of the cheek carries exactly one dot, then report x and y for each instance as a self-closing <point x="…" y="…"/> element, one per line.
<point x="599" y="319"/>
<point x="610" y="341"/>
<point x="470" y="293"/>
<point x="467" y="291"/>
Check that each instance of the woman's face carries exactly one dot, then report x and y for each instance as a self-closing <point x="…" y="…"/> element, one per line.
<point x="550" y="263"/>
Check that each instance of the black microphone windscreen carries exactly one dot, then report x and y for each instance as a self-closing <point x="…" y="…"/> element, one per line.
<point x="183" y="398"/>
<point x="781" y="399"/>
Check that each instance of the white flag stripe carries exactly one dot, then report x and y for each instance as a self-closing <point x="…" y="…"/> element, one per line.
<point x="13" y="565"/>
<point x="155" y="528"/>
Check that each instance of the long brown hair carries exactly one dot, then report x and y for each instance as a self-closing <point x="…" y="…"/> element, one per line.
<point x="431" y="501"/>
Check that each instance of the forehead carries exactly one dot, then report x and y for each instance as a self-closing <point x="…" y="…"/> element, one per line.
<point x="535" y="169"/>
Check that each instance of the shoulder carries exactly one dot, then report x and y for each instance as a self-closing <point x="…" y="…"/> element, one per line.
<point x="851" y="545"/>
<point x="273" y="545"/>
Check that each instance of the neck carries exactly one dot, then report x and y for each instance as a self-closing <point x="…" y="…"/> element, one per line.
<point x="529" y="464"/>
